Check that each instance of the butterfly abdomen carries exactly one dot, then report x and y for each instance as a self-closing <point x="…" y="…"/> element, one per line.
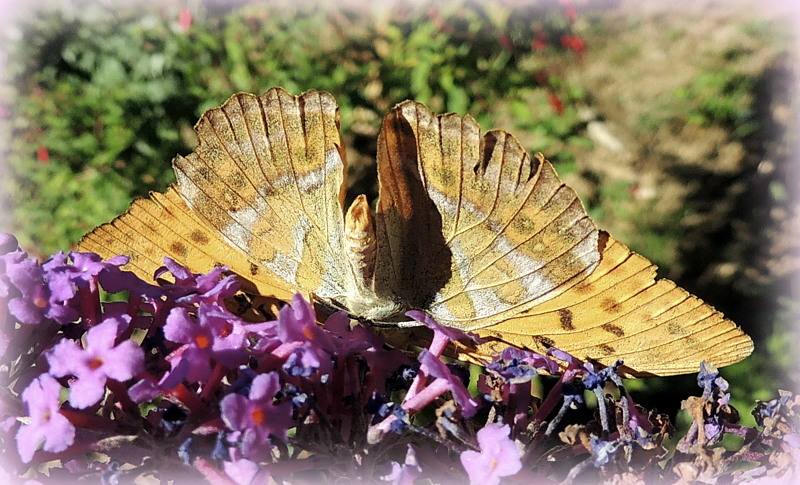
<point x="359" y="241"/>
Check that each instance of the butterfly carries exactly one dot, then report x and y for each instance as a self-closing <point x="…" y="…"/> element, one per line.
<point x="468" y="227"/>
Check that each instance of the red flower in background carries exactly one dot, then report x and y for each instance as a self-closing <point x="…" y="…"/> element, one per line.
<point x="573" y="43"/>
<point x="185" y="19"/>
<point x="505" y="42"/>
<point x="539" y="42"/>
<point x="570" y="10"/>
<point x="43" y="154"/>
<point x="555" y="102"/>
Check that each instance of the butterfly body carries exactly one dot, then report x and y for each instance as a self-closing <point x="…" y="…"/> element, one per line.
<point x="467" y="227"/>
<point x="361" y="301"/>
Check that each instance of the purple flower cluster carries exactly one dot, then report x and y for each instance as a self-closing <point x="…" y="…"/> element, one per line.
<point x="182" y="379"/>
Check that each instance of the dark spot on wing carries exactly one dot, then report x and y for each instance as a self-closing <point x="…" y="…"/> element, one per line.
<point x="237" y="180"/>
<point x="230" y="201"/>
<point x="606" y="349"/>
<point x="613" y="329"/>
<point x="565" y="318"/>
<point x="602" y="241"/>
<point x="611" y="306"/>
<point x="542" y="341"/>
<point x="198" y="236"/>
<point x="178" y="248"/>
<point x="674" y="328"/>
<point x="203" y="171"/>
<point x="583" y="287"/>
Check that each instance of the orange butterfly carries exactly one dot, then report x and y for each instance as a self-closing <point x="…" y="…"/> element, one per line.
<point x="468" y="228"/>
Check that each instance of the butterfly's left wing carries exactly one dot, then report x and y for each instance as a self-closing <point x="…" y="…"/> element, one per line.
<point x="486" y="238"/>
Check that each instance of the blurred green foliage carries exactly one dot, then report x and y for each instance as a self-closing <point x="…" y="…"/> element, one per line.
<point x="725" y="97"/>
<point x="106" y="98"/>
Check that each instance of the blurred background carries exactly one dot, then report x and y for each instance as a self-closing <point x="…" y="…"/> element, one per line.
<point x="675" y="122"/>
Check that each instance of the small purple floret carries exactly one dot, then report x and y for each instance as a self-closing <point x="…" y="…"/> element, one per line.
<point x="257" y="416"/>
<point x="48" y="427"/>
<point x="498" y="456"/>
<point x="101" y="359"/>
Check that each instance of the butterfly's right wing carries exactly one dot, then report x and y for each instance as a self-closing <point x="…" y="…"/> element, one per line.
<point x="622" y="312"/>
<point x="261" y="193"/>
<point x="489" y="239"/>
<point x="470" y="228"/>
<point x="164" y="226"/>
